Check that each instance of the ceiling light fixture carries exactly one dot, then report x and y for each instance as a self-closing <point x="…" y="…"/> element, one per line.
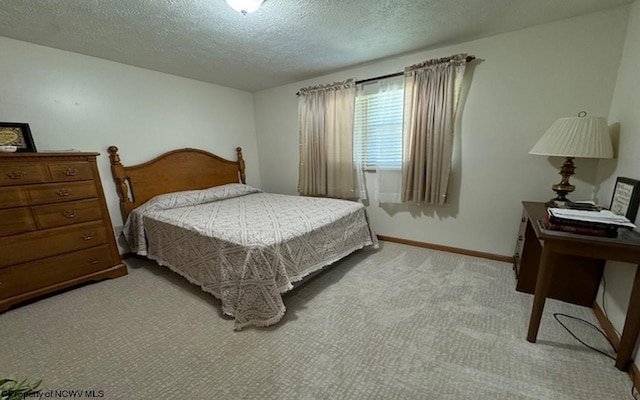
<point x="245" y="6"/>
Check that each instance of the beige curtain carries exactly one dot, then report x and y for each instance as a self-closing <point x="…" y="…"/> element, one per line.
<point x="431" y="90"/>
<point x="325" y="116"/>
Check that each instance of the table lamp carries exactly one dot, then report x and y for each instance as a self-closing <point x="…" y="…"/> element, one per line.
<point x="574" y="137"/>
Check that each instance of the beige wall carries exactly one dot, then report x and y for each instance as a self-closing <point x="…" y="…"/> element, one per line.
<point x="625" y="119"/>
<point x="523" y="83"/>
<point x="76" y="101"/>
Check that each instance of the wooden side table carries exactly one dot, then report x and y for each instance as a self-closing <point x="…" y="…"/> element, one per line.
<point x="554" y="244"/>
<point x="578" y="280"/>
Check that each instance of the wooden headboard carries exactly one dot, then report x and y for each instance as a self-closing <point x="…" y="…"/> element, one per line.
<point x="175" y="171"/>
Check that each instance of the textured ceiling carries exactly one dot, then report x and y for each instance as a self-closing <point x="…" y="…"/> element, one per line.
<point x="284" y="41"/>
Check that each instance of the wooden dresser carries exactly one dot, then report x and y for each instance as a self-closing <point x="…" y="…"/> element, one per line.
<point x="55" y="230"/>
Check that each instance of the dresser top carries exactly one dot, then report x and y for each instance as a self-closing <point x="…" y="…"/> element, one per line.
<point x="47" y="155"/>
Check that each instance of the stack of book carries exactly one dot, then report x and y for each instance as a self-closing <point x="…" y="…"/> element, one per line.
<point x="594" y="223"/>
<point x="578" y="205"/>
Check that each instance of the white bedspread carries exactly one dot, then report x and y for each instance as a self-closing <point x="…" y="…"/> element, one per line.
<point x="244" y="246"/>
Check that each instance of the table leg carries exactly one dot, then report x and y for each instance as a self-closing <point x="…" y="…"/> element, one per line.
<point x="631" y="327"/>
<point x="543" y="282"/>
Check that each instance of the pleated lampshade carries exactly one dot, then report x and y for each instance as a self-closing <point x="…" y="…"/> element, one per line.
<point x="582" y="137"/>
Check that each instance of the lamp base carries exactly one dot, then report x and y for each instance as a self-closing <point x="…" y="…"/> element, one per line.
<point x="555" y="203"/>
<point x="563" y="188"/>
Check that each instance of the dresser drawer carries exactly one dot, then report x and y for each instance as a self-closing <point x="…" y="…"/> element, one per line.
<point x="17" y="173"/>
<point x="72" y="212"/>
<point x="22" y="278"/>
<point x="13" y="196"/>
<point x="50" y="242"/>
<point x="58" y="192"/>
<point x="523" y="223"/>
<point x="14" y="221"/>
<point x="69" y="171"/>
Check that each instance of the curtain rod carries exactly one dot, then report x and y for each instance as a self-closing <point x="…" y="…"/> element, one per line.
<point x="377" y="78"/>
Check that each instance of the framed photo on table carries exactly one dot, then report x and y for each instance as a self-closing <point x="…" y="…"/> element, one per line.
<point x="17" y="134"/>
<point x="626" y="198"/>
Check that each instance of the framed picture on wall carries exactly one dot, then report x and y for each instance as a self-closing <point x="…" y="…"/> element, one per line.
<point x="626" y="198"/>
<point x="17" y="134"/>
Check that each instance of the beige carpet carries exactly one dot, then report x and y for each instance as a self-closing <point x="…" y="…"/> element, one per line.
<point x="397" y="323"/>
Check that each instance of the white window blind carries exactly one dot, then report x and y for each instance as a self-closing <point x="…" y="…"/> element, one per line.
<point x="378" y="124"/>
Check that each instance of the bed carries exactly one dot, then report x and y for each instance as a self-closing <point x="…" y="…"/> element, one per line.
<point x="192" y="211"/>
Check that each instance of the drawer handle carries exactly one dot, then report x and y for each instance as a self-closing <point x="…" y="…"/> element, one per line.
<point x="94" y="261"/>
<point x="69" y="213"/>
<point x="63" y="192"/>
<point x="71" y="171"/>
<point x="87" y="236"/>
<point x="16" y="174"/>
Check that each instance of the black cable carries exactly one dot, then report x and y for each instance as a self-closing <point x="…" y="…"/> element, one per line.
<point x="555" y="315"/>
<point x="604" y="310"/>
<point x="604" y="298"/>
<point x="604" y="302"/>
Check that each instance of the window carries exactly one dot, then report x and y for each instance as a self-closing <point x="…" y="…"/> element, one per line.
<point x="378" y="124"/>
